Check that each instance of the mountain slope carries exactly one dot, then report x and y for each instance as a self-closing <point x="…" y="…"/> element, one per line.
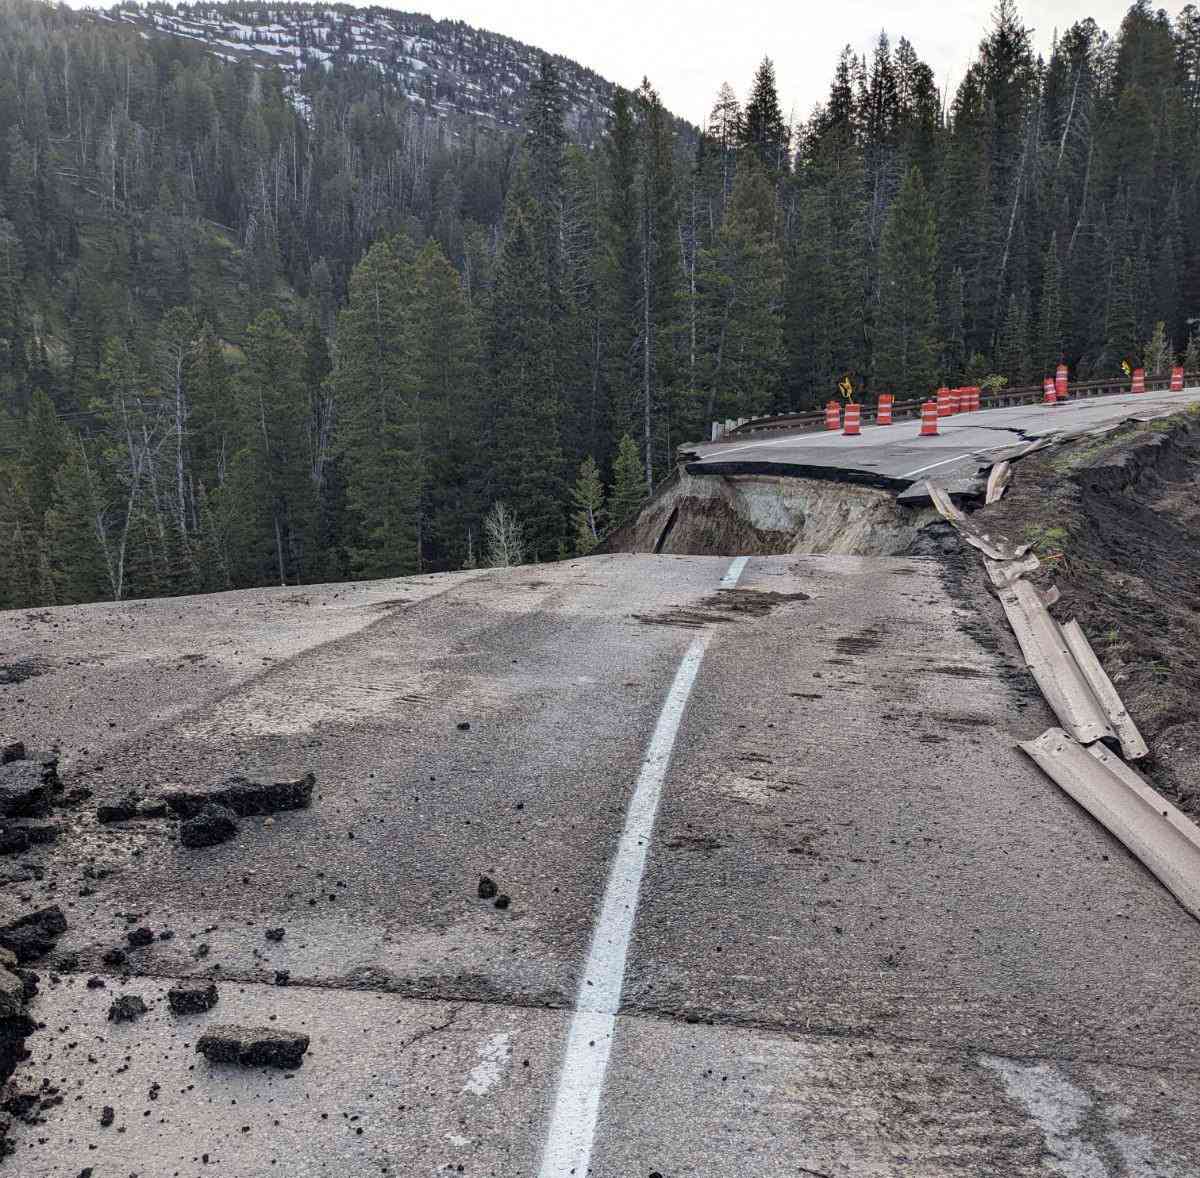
<point x="446" y="68"/>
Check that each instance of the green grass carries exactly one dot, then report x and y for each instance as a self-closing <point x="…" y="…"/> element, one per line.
<point x="1047" y="539"/>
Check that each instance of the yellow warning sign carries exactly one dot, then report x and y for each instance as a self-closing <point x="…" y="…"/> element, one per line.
<point x="846" y="388"/>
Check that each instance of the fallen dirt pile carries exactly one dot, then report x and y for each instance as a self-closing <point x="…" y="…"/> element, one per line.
<point x="762" y="515"/>
<point x="1115" y="522"/>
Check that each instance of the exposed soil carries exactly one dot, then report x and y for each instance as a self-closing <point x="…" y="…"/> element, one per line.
<point x="1116" y="524"/>
<point x="726" y="605"/>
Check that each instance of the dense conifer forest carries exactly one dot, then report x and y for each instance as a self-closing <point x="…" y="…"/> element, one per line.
<point x="258" y="331"/>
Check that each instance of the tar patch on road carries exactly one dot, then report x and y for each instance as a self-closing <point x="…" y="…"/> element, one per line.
<point x="18" y="672"/>
<point x="726" y="605"/>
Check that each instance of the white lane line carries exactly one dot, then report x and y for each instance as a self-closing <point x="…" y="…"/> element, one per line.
<point x="934" y="464"/>
<point x="589" y="1042"/>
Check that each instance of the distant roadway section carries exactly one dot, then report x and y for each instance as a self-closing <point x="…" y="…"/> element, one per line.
<point x="895" y="457"/>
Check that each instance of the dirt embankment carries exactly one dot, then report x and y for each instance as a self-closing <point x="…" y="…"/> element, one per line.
<point x="1116" y="523"/>
<point x="763" y="515"/>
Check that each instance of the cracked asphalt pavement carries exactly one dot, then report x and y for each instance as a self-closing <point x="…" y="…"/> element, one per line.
<point x="871" y="940"/>
<point x="893" y="456"/>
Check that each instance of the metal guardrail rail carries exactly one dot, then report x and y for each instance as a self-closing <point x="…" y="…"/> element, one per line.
<point x="814" y="419"/>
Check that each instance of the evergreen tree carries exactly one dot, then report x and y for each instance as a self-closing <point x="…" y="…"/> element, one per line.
<point x="446" y="365"/>
<point x="763" y="132"/>
<point x="1012" y="353"/>
<point x="1121" y="335"/>
<point x="629" y="483"/>
<point x="1049" y="348"/>
<point x="376" y="389"/>
<point x="741" y="280"/>
<point x="907" y="342"/>
<point x="588" y="498"/>
<point x="76" y="557"/>
<point x="276" y="435"/>
<point x="524" y="408"/>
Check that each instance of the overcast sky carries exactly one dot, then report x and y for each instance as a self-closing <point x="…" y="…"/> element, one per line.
<point x="688" y="47"/>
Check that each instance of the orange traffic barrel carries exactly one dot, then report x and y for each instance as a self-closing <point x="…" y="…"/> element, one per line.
<point x="853" y="420"/>
<point x="883" y="415"/>
<point x="929" y="419"/>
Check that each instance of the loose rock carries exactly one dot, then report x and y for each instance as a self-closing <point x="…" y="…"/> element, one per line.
<point x="244" y="797"/>
<point x="32" y="935"/>
<point x="139" y="937"/>
<point x="120" y="811"/>
<point x="211" y="825"/>
<point x="487" y="888"/>
<point x="192" y="997"/>
<point x="23" y="791"/>
<point x="503" y="902"/>
<point x="12" y="751"/>
<point x="275" y="934"/>
<point x="12" y="994"/>
<point x="13" y="840"/>
<point x="253" y="1046"/>
<point x="126" y="1008"/>
<point x="114" y="956"/>
<point x="107" y="1116"/>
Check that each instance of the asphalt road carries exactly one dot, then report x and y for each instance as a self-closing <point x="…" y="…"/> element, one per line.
<point x="895" y="456"/>
<point x="853" y="931"/>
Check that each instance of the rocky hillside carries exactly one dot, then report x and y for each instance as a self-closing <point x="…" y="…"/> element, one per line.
<point x="445" y="67"/>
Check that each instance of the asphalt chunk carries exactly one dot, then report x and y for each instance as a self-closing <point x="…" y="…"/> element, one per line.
<point x="211" y="825"/>
<point x="24" y="792"/>
<point x="120" y="811"/>
<point x="253" y="1046"/>
<point x="244" y="797"/>
<point x="32" y="935"/>
<point x="126" y="1008"/>
<point x="192" y="997"/>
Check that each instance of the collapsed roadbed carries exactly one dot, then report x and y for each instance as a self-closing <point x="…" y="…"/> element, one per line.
<point x="1115" y="522"/>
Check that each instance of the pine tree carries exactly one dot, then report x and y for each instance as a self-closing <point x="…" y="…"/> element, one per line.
<point x="376" y="387"/>
<point x="588" y="498"/>
<point x="523" y="433"/>
<point x="76" y="557"/>
<point x="446" y="365"/>
<point x="1120" y="325"/>
<point x="629" y="483"/>
<point x="1012" y="353"/>
<point x="1191" y="357"/>
<point x="1159" y="353"/>
<point x="44" y="450"/>
<point x="277" y="437"/>
<point x="1049" y="347"/>
<point x="906" y="340"/>
<point x="742" y="291"/>
<point x="764" y="134"/>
